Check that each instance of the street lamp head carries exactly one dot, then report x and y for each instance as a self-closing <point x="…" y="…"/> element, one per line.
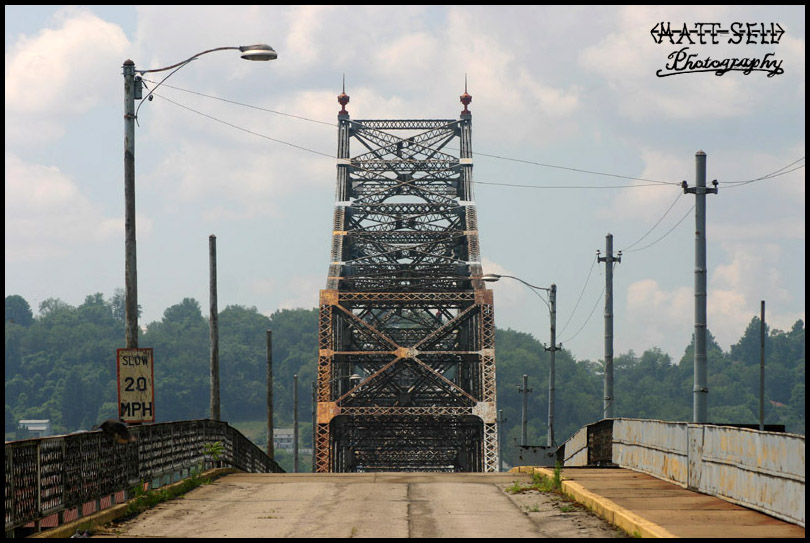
<point x="260" y="51"/>
<point x="490" y="277"/>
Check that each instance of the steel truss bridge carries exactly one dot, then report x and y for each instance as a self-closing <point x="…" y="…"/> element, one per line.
<point x="406" y="365"/>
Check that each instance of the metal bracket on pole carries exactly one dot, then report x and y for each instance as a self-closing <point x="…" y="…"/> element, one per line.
<point x="693" y="190"/>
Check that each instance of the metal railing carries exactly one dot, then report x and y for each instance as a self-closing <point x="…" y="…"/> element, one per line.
<point x="51" y="476"/>
<point x="762" y="470"/>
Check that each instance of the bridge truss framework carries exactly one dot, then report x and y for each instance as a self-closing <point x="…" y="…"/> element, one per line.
<point x="406" y="365"/>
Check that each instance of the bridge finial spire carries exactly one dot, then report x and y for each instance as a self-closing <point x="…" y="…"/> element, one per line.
<point x="343" y="98"/>
<point x="466" y="98"/>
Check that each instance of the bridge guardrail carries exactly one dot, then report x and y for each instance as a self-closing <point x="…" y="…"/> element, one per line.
<point x="761" y="470"/>
<point x="59" y="474"/>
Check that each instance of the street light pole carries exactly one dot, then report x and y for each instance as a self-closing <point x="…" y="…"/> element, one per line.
<point x="132" y="91"/>
<point x="552" y="309"/>
<point x="131" y="269"/>
<point x="552" y="298"/>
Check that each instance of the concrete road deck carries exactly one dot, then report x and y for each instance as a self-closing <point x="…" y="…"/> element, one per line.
<point x="644" y="505"/>
<point x="438" y="505"/>
<point x="379" y="505"/>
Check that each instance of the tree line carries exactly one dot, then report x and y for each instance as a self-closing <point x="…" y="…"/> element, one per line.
<point x="61" y="365"/>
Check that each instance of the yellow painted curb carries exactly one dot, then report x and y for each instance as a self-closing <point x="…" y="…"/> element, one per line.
<point x="110" y="514"/>
<point x="604" y="507"/>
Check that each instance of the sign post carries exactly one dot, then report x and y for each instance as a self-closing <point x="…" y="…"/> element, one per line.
<point x="136" y="390"/>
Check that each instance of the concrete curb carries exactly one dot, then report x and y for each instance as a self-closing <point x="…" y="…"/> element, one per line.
<point x="110" y="514"/>
<point x="604" y="507"/>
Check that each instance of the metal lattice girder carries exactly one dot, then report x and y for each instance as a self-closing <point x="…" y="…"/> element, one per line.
<point x="406" y="365"/>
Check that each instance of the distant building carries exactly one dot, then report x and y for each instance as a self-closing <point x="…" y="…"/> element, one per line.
<point x="36" y="428"/>
<point x="283" y="438"/>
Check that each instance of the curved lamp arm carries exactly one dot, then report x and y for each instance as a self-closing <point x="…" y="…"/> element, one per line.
<point x="493" y="277"/>
<point x="259" y="51"/>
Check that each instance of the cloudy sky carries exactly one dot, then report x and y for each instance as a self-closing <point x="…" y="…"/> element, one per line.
<point x="578" y="132"/>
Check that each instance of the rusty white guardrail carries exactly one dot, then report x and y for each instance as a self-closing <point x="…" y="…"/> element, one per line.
<point x="757" y="469"/>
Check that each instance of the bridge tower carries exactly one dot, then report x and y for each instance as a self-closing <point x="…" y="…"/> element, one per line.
<point x="406" y="365"/>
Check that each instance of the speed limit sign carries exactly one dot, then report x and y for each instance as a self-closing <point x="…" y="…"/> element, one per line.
<point x="136" y="385"/>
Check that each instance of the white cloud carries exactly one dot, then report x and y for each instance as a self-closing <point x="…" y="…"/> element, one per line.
<point x="54" y="75"/>
<point x="628" y="58"/>
<point x="508" y="84"/>
<point x="753" y="270"/>
<point x="546" y="82"/>
<point x="302" y="291"/>
<point x="46" y="214"/>
<point x="229" y="183"/>
<point x="774" y="208"/>
<point x="761" y="229"/>
<point x="233" y="174"/>
<point x="649" y="201"/>
<point x="551" y="101"/>
<point x="658" y="318"/>
<point x="509" y="294"/>
<point x="307" y="23"/>
<point x="408" y="54"/>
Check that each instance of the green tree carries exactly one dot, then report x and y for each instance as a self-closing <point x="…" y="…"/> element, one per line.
<point x="13" y="354"/>
<point x="18" y="311"/>
<point x="118" y="306"/>
<point x="61" y="366"/>
<point x="747" y="349"/>
<point x="181" y="343"/>
<point x="243" y="362"/>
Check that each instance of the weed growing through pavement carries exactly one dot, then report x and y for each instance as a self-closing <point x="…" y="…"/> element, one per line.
<point x="540" y="483"/>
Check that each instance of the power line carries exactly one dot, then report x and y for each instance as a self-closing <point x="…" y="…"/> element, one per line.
<point x="244" y="129"/>
<point x="656" y="224"/>
<point x="573" y="311"/>
<point x="665" y="235"/>
<point x="647" y="182"/>
<point x="334" y="125"/>
<point x="586" y="320"/>
<point x="578" y="170"/>
<point x="777" y="173"/>
<point x="567" y="168"/>
<point x="656" y="184"/>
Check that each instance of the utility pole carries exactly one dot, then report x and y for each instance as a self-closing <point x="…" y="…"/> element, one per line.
<point x="295" y="423"/>
<point x="608" y="411"/>
<point x="524" y="418"/>
<point x="132" y="90"/>
<point x="271" y="446"/>
<point x="213" y="325"/>
<point x="762" y="367"/>
<point x="700" y="390"/>
<point x="552" y="309"/>
<point x="501" y="420"/>
<point x="552" y="298"/>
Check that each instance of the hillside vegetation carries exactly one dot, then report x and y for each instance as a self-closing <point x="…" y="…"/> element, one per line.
<point x="60" y="365"/>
